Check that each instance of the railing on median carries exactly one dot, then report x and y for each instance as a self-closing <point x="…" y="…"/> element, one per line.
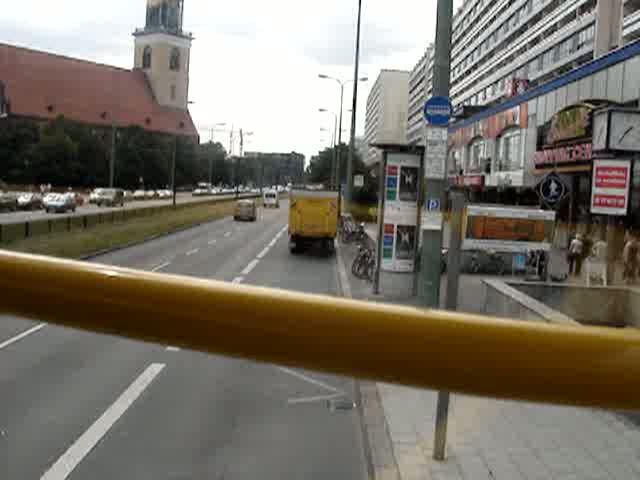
<point x="447" y="351"/>
<point x="15" y="231"/>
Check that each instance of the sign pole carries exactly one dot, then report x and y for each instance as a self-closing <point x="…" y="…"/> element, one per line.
<point x="381" y="204"/>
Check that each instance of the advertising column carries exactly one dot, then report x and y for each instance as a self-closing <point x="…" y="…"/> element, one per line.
<point x="402" y="179"/>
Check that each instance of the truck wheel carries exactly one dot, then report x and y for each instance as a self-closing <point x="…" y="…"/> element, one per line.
<point x="295" y="246"/>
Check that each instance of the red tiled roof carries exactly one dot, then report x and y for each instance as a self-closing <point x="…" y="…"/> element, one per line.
<point x="43" y="85"/>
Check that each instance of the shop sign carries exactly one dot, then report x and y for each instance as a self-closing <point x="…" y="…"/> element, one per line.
<point x="518" y="86"/>
<point x="580" y="152"/>
<point x="569" y="124"/>
<point x="611" y="182"/>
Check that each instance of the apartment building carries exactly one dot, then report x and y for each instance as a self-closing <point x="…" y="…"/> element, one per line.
<point x="420" y="88"/>
<point x="386" y="118"/>
<point x="501" y="48"/>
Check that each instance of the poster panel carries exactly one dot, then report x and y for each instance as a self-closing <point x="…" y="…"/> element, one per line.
<point x="610" y="189"/>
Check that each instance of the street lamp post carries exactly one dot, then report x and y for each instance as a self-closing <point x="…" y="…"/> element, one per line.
<point x="352" y="140"/>
<point x="341" y="109"/>
<point x="335" y="152"/>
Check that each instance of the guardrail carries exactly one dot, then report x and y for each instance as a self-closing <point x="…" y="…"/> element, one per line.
<point x="426" y="348"/>
<point x="11" y="232"/>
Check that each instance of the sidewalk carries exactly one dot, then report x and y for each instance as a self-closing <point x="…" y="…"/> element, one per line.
<point x="490" y="439"/>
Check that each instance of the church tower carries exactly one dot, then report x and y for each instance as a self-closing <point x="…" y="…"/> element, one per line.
<point x="162" y="51"/>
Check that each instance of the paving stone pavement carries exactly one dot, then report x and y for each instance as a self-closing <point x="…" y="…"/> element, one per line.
<point x="499" y="440"/>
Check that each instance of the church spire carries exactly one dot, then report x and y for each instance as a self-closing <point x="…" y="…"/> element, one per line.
<point x="165" y="15"/>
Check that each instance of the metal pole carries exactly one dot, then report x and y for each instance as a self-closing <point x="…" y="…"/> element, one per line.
<point x="173" y="169"/>
<point x="112" y="159"/>
<point x="339" y="152"/>
<point x="352" y="141"/>
<point x="381" y="201"/>
<point x="441" y="87"/>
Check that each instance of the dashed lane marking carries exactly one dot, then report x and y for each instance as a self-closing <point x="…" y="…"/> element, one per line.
<point x="160" y="267"/>
<point x="263" y="253"/>
<point x="310" y="380"/>
<point x="89" y="439"/>
<point x="192" y="252"/>
<point x="238" y="280"/>
<point x="250" y="267"/>
<point x="22" y="335"/>
<point x="173" y="349"/>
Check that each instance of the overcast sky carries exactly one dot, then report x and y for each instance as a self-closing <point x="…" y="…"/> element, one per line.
<point x="254" y="63"/>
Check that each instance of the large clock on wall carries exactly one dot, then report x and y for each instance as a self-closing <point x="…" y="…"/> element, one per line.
<point x="616" y="130"/>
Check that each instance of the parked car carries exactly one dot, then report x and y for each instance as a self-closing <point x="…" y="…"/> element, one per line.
<point x="151" y="194"/>
<point x="30" y="201"/>
<point x="271" y="199"/>
<point x="202" y="189"/>
<point x="139" y="195"/>
<point x="246" y="210"/>
<point x="165" y="194"/>
<point x="60" y="203"/>
<point x="93" y="196"/>
<point x="110" y="197"/>
<point x="8" y="201"/>
<point x="128" y="196"/>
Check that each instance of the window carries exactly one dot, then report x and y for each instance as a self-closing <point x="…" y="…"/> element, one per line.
<point x="508" y="149"/>
<point x="173" y="92"/>
<point x="476" y="155"/>
<point x="146" y="57"/>
<point x="174" y="61"/>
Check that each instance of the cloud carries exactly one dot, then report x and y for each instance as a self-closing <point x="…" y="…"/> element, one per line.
<point x="254" y="63"/>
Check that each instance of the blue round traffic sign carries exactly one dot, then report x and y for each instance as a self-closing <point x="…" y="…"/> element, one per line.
<point x="438" y="110"/>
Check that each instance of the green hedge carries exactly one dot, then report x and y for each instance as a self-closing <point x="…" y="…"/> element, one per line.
<point x="12" y="232"/>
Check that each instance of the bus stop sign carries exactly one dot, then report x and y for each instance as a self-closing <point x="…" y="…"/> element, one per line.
<point x="437" y="111"/>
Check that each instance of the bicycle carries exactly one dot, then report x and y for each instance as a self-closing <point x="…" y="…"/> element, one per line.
<point x="364" y="265"/>
<point x="350" y="231"/>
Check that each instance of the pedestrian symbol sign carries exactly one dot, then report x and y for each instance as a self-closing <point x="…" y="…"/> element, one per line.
<point x="552" y="190"/>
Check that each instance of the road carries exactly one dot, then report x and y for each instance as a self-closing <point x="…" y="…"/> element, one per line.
<point x="78" y="405"/>
<point x="31" y="216"/>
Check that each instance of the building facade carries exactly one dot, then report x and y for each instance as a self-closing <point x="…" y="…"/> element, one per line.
<point x="501" y="153"/>
<point x="278" y="168"/>
<point x="386" y="118"/>
<point x="420" y="89"/>
<point x="501" y="48"/>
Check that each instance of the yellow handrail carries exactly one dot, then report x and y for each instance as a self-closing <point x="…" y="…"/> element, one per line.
<point x="451" y="351"/>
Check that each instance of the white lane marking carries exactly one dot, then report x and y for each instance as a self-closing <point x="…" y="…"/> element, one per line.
<point x="263" y="253"/>
<point x="273" y="243"/>
<point x="89" y="439"/>
<point x="160" y="267"/>
<point x="173" y="349"/>
<point x="342" y="272"/>
<point x="313" y="381"/>
<point x="212" y="242"/>
<point x="22" y="335"/>
<point x="319" y="398"/>
<point x="192" y="252"/>
<point x="228" y="234"/>
<point x="250" y="267"/>
<point x="238" y="280"/>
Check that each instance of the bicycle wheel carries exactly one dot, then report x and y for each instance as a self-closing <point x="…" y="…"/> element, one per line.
<point x="355" y="266"/>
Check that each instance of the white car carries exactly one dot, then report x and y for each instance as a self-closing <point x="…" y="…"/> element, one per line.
<point x="150" y="194"/>
<point x="94" y="195"/>
<point x="139" y="195"/>
<point x="165" y="194"/>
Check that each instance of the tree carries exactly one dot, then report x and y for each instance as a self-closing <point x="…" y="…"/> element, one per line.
<point x="17" y="140"/>
<point x="213" y="155"/>
<point x="320" y="171"/>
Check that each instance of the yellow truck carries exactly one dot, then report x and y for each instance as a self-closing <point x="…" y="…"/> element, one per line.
<point x="313" y="219"/>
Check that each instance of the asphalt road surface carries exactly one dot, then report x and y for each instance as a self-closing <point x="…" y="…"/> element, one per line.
<point x="30" y="216"/>
<point x="78" y="405"/>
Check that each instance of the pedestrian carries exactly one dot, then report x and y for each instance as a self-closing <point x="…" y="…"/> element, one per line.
<point x="597" y="263"/>
<point x="575" y="255"/>
<point x="630" y="259"/>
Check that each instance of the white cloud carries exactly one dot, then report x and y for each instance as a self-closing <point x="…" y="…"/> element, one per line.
<point x="254" y="64"/>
